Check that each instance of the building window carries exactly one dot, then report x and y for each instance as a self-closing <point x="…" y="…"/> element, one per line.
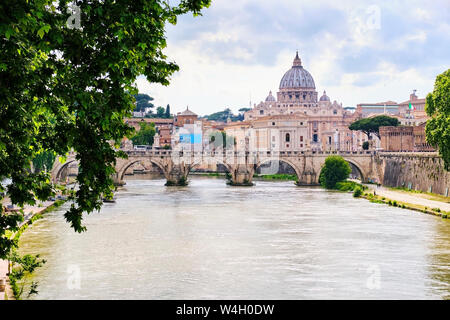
<point x="301" y="145"/>
<point x="301" y="123"/>
<point x="315" y="137"/>
<point x="273" y="123"/>
<point x="288" y="137"/>
<point x="261" y="111"/>
<point x="329" y="140"/>
<point x="273" y="138"/>
<point x="301" y="138"/>
<point x="287" y="146"/>
<point x="334" y="111"/>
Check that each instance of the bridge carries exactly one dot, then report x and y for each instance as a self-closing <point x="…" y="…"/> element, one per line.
<point x="176" y="165"/>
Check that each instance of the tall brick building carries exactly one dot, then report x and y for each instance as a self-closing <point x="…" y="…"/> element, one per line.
<point x="404" y="138"/>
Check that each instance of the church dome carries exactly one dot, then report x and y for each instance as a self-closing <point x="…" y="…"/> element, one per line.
<point x="270" y="97"/>
<point x="325" y="97"/>
<point x="297" y="77"/>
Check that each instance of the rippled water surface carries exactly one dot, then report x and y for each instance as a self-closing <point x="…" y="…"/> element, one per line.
<point x="270" y="241"/>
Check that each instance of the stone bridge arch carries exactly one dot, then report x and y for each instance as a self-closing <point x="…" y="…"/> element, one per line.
<point x="121" y="171"/>
<point x="59" y="166"/>
<point x="213" y="160"/>
<point x="358" y="168"/>
<point x="362" y="167"/>
<point x="298" y="171"/>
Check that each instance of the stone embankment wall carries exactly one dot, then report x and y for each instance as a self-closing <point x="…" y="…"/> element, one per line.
<point x="416" y="171"/>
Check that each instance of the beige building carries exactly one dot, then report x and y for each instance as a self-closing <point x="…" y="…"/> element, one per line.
<point x="297" y="120"/>
<point x="414" y="108"/>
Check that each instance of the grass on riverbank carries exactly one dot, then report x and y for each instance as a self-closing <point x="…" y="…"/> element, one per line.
<point x="422" y="194"/>
<point x="278" y="176"/>
<point x="404" y="205"/>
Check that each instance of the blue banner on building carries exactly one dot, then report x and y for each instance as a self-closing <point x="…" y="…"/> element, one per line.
<point x="190" y="138"/>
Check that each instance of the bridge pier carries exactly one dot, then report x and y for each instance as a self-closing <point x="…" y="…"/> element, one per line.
<point x="177" y="174"/>
<point x="118" y="182"/>
<point x="308" y="179"/>
<point x="242" y="175"/>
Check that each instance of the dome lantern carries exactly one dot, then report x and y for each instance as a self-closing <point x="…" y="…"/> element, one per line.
<point x="297" y="61"/>
<point x="270" y="97"/>
<point x="324" y="97"/>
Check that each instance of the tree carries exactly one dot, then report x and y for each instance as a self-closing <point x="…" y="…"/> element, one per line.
<point x="143" y="102"/>
<point x="335" y="170"/>
<point x="66" y="86"/>
<point x="372" y="125"/>
<point x="167" y="114"/>
<point x="365" y="145"/>
<point x="222" y="116"/>
<point x="145" y="135"/>
<point x="437" y="106"/>
<point x="44" y="161"/>
<point x="220" y="139"/>
<point x="160" y="112"/>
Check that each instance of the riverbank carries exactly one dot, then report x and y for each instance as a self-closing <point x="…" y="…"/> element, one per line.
<point x="265" y="177"/>
<point x="408" y="200"/>
<point x="30" y="213"/>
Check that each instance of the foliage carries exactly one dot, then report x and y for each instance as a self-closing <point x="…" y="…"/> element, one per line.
<point x="348" y="186"/>
<point x="438" y="108"/>
<point x="372" y="125"/>
<point x="19" y="275"/>
<point x="65" y="89"/>
<point x="220" y="139"/>
<point x="145" y="135"/>
<point x="167" y="114"/>
<point x="365" y="145"/>
<point x="44" y="161"/>
<point x="277" y="176"/>
<point x="223" y="116"/>
<point x="143" y="102"/>
<point x="160" y="112"/>
<point x="357" y="192"/>
<point x="244" y="109"/>
<point x="334" y="170"/>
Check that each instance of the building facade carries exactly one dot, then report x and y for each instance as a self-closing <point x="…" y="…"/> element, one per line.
<point x="302" y="120"/>
<point x="404" y="138"/>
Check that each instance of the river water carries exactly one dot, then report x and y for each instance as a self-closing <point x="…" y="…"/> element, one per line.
<point x="270" y="241"/>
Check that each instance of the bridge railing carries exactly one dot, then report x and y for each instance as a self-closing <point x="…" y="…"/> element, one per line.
<point x="169" y="153"/>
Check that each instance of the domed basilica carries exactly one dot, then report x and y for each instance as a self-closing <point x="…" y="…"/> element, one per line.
<point x="303" y="121"/>
<point x="297" y="94"/>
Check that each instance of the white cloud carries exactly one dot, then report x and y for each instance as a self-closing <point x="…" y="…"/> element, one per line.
<point x="241" y="49"/>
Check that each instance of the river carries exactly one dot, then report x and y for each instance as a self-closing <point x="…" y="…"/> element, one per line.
<point x="271" y="241"/>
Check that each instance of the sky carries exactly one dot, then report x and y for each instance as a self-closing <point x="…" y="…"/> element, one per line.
<point x="359" y="52"/>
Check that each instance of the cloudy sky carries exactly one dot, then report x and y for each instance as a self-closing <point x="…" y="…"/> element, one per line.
<point x="239" y="50"/>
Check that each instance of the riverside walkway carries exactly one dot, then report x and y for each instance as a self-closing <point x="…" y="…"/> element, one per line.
<point x="29" y="213"/>
<point x="412" y="198"/>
